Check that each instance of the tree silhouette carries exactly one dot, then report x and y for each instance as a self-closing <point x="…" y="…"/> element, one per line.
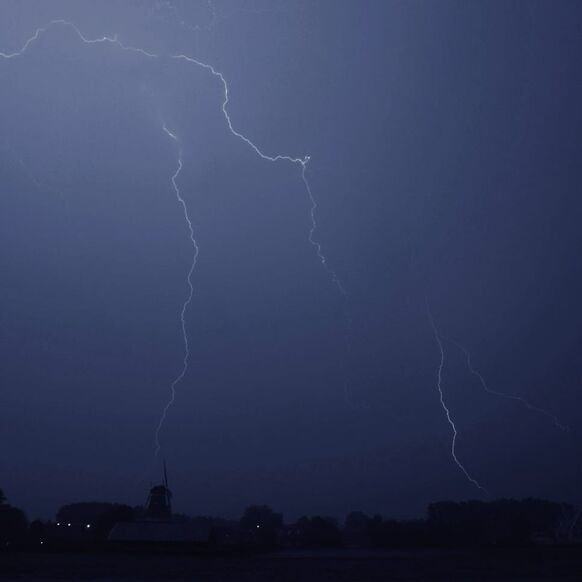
<point x="499" y="522"/>
<point x="318" y="532"/>
<point x="13" y="523"/>
<point x="263" y="522"/>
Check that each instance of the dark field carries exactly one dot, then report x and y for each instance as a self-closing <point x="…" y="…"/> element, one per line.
<point x="563" y="564"/>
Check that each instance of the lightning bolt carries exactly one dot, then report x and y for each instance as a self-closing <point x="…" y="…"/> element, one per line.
<point x="513" y="397"/>
<point x="301" y="162"/>
<point x="444" y="406"/>
<point x="188" y="300"/>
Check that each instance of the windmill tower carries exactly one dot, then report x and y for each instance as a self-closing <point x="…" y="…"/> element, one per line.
<point x="159" y="503"/>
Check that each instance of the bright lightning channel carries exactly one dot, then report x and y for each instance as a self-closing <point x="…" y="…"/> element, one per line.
<point x="188" y="300"/>
<point x="444" y="406"/>
<point x="302" y="162"/>
<point x="513" y="397"/>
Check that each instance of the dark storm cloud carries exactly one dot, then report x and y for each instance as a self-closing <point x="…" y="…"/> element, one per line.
<point x="445" y="162"/>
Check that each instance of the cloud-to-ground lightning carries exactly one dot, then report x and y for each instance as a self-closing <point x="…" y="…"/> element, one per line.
<point x="302" y="162"/>
<point x="513" y="397"/>
<point x="444" y="406"/>
<point x="188" y="300"/>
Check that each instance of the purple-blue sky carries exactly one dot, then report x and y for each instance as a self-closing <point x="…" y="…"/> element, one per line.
<point x="445" y="160"/>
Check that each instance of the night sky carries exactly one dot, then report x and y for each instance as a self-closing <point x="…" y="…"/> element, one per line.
<point x="446" y="162"/>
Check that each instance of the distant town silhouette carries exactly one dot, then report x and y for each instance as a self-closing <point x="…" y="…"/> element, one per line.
<point x="498" y="523"/>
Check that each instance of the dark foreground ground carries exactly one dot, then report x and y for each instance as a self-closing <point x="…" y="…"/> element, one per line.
<point x="532" y="565"/>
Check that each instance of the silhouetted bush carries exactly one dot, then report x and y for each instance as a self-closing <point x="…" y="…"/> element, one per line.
<point x="317" y="532"/>
<point x="391" y="533"/>
<point x="357" y="522"/>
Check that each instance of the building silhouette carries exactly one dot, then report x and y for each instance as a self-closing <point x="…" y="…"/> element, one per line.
<point x="157" y="526"/>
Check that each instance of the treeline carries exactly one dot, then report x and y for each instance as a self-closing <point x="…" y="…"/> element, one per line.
<point x="505" y="522"/>
<point x="501" y="522"/>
